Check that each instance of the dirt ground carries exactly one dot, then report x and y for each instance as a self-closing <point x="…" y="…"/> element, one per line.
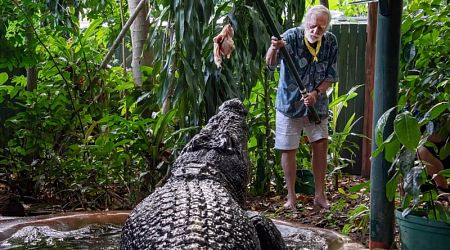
<point x="351" y="198"/>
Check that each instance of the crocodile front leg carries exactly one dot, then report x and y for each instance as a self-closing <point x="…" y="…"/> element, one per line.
<point x="269" y="236"/>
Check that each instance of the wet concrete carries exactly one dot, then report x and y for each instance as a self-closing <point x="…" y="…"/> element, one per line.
<point x="61" y="222"/>
<point x="77" y="225"/>
<point x="299" y="236"/>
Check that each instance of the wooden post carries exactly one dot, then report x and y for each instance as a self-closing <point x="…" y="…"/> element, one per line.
<point x="387" y="64"/>
<point x="368" y="95"/>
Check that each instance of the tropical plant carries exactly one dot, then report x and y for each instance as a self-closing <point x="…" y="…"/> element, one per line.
<point x="358" y="220"/>
<point x="424" y="99"/>
<point x="350" y="9"/>
<point x="338" y="140"/>
<point x="400" y="148"/>
<point x="184" y="63"/>
<point x="86" y="142"/>
<point x="260" y="143"/>
<point x="89" y="136"/>
<point x="358" y="217"/>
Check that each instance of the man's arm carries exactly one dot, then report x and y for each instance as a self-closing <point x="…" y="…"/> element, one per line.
<point x="272" y="52"/>
<point x="323" y="87"/>
<point x="271" y="56"/>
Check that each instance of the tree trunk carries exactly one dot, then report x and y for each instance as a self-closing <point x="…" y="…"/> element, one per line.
<point x="167" y="101"/>
<point x="31" y="78"/>
<point x="121" y="35"/>
<point x="324" y="3"/>
<point x="122" y="20"/>
<point x="31" y="70"/>
<point x="139" y="32"/>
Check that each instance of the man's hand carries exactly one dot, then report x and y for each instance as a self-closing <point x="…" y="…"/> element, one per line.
<point x="311" y="98"/>
<point x="276" y="43"/>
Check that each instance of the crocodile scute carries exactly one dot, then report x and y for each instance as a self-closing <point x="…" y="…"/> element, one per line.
<point x="201" y="206"/>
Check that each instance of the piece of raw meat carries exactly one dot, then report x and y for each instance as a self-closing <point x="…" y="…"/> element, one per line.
<point x="223" y="45"/>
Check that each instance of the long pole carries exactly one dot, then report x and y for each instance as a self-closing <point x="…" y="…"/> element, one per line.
<point x="385" y="97"/>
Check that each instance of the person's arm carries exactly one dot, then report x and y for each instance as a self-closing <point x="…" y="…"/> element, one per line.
<point x="434" y="138"/>
<point x="323" y="87"/>
<point x="271" y="56"/>
<point x="272" y="52"/>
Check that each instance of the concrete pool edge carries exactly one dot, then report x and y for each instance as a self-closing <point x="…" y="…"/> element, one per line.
<point x="72" y="220"/>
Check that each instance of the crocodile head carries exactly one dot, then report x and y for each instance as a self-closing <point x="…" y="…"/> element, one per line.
<point x="219" y="151"/>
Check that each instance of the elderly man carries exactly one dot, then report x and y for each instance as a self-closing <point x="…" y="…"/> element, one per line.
<point x="314" y="51"/>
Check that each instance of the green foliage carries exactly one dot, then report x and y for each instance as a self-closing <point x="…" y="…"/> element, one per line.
<point x="358" y="220"/>
<point x="352" y="9"/>
<point x="261" y="120"/>
<point x="16" y="44"/>
<point x="184" y="66"/>
<point x="3" y="78"/>
<point x="424" y="95"/>
<point x="338" y="141"/>
<point x="78" y="140"/>
<point x="425" y="61"/>
<point x="358" y="217"/>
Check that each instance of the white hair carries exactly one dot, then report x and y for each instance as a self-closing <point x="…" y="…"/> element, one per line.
<point x="318" y="10"/>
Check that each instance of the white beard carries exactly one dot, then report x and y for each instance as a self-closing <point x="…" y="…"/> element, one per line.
<point x="310" y="38"/>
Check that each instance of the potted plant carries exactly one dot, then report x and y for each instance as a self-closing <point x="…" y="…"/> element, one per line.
<point x="423" y="220"/>
<point x="423" y="109"/>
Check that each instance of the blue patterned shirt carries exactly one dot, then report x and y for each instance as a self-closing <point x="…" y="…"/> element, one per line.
<point x="312" y="73"/>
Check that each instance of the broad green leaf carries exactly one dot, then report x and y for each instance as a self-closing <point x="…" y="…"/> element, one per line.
<point x="7" y="88"/>
<point x="108" y="147"/>
<point x="407" y="129"/>
<point x="391" y="187"/>
<point x="353" y="196"/>
<point x="159" y="128"/>
<point x="444" y="152"/>
<point x="3" y="77"/>
<point x="436" y="110"/>
<point x="381" y="124"/>
<point x="89" y="32"/>
<point x="359" y="187"/>
<point x="124" y="86"/>
<point x="391" y="147"/>
<point x="122" y="142"/>
<point x="378" y="150"/>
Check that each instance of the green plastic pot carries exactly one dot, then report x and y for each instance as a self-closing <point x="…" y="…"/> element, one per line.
<point x="421" y="233"/>
<point x="305" y="182"/>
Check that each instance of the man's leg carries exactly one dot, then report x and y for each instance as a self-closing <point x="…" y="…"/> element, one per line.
<point x="319" y="164"/>
<point x="433" y="166"/>
<point x="290" y="174"/>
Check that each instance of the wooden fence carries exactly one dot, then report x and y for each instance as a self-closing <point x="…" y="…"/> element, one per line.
<point x="351" y="37"/>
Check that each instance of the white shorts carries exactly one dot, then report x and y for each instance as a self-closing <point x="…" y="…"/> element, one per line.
<point x="288" y="131"/>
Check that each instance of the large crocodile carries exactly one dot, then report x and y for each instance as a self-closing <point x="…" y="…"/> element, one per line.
<point x="201" y="205"/>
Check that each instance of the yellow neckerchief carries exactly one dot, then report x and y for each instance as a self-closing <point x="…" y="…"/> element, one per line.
<point x="314" y="52"/>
